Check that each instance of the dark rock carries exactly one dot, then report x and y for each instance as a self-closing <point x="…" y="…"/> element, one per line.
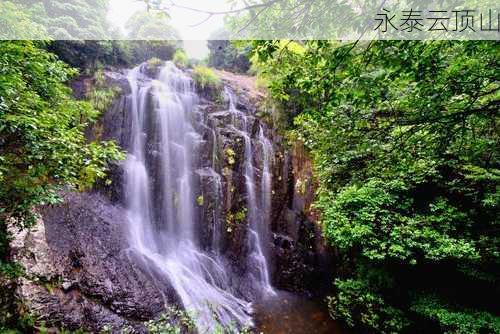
<point x="117" y="79"/>
<point x="81" y="272"/>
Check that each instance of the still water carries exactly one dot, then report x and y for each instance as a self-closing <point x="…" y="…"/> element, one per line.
<point x="291" y="314"/>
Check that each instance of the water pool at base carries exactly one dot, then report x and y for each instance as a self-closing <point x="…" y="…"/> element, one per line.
<point x="291" y="314"/>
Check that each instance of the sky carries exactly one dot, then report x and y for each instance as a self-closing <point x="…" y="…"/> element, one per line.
<point x="186" y="22"/>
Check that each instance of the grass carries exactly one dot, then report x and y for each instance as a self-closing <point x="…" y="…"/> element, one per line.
<point x="205" y="77"/>
<point x="180" y="58"/>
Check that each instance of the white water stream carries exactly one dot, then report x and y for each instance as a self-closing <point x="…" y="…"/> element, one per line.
<point x="258" y="211"/>
<point x="160" y="192"/>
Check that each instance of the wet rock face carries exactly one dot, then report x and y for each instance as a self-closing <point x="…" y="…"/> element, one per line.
<point x="302" y="260"/>
<point x="80" y="272"/>
<point x="299" y="257"/>
<point x="297" y="247"/>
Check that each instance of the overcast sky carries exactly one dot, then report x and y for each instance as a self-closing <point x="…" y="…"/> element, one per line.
<point x="186" y="22"/>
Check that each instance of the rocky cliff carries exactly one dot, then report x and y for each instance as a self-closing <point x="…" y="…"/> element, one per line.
<point x="79" y="271"/>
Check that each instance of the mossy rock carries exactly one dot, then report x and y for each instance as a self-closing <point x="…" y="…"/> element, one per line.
<point x="153" y="67"/>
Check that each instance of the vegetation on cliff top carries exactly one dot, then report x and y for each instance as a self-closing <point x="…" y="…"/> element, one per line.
<point x="205" y="77"/>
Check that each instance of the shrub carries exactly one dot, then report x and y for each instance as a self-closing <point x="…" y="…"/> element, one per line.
<point x="153" y="66"/>
<point x="180" y="58"/>
<point x="355" y="303"/>
<point x="173" y="321"/>
<point x="459" y="321"/>
<point x="205" y="77"/>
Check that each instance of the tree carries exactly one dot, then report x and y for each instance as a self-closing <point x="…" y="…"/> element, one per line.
<point x="42" y="142"/>
<point x="150" y="25"/>
<point x="58" y="19"/>
<point x="17" y="21"/>
<point x="88" y="56"/>
<point x="405" y="141"/>
<point x="224" y="54"/>
<point x="141" y="51"/>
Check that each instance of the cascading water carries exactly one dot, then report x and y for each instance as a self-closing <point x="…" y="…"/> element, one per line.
<point x="258" y="211"/>
<point x="160" y="190"/>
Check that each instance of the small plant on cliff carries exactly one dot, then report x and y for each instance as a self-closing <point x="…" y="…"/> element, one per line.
<point x="173" y="321"/>
<point x="233" y="218"/>
<point x="100" y="95"/>
<point x="155" y="62"/>
<point x="205" y="78"/>
<point x="180" y="58"/>
<point x="230" y="155"/>
<point x="153" y="66"/>
<point x="240" y="216"/>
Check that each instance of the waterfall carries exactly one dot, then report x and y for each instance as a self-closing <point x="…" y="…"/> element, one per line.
<point x="160" y="198"/>
<point x="258" y="211"/>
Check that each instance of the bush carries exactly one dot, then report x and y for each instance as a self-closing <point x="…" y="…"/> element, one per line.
<point x="90" y="56"/>
<point x="153" y="66"/>
<point x="173" y="321"/>
<point x="155" y="62"/>
<point x="458" y="321"/>
<point x="180" y="58"/>
<point x="205" y="77"/>
<point x="356" y="304"/>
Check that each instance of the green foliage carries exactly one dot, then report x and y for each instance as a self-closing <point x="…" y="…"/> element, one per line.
<point x="90" y="56"/>
<point x="10" y="270"/>
<point x="70" y="19"/>
<point x="100" y="95"/>
<point x="173" y="321"/>
<point x="150" y="25"/>
<point x="18" y="22"/>
<point x="356" y="304"/>
<point x="144" y="50"/>
<point x="302" y="19"/>
<point x="58" y="19"/>
<point x="241" y="215"/>
<point x="228" y="55"/>
<point x="205" y="77"/>
<point x="79" y="32"/>
<point x="154" y="64"/>
<point x="364" y="215"/>
<point x="42" y="135"/>
<point x="456" y="321"/>
<point x="180" y="58"/>
<point x="405" y="143"/>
